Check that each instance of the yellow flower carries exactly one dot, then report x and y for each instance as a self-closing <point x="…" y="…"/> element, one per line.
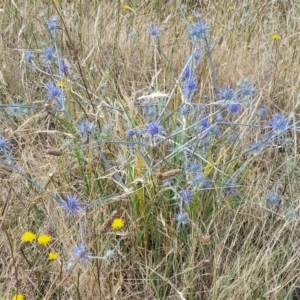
<point x="117" y="224"/>
<point x="60" y="84"/>
<point x="44" y="239"/>
<point x="275" y="37"/>
<point x="126" y="7"/>
<point x="52" y="256"/>
<point x="28" y="237"/>
<point x="231" y="7"/>
<point x="17" y="297"/>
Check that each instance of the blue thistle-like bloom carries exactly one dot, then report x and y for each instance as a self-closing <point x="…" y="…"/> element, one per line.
<point x="290" y="213"/>
<point x="153" y="129"/>
<point x="203" y="123"/>
<point x="153" y="31"/>
<point x="189" y="86"/>
<point x="273" y="199"/>
<point x="186" y="196"/>
<point x="85" y="127"/>
<point x="233" y="107"/>
<point x="198" y="178"/>
<point x="247" y="90"/>
<point x="29" y="56"/>
<point x="226" y="94"/>
<point x="3" y="143"/>
<point x="53" y="91"/>
<point x="149" y="111"/>
<point x="187" y="73"/>
<point x="279" y="124"/>
<point x="215" y="130"/>
<point x="194" y="167"/>
<point x="181" y="218"/>
<point x="130" y="133"/>
<point x="262" y="111"/>
<point x="63" y="66"/>
<point x="219" y="117"/>
<point x="71" y="205"/>
<point x="51" y="25"/>
<point x="199" y="30"/>
<point x="48" y="54"/>
<point x="206" y="184"/>
<point x="229" y="188"/>
<point x="80" y="253"/>
<point x="197" y="54"/>
<point x="184" y="110"/>
<point x="109" y="255"/>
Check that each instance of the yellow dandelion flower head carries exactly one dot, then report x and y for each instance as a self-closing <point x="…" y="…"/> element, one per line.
<point x="232" y="7"/>
<point x="117" y="224"/>
<point x="52" y="256"/>
<point x="17" y="297"/>
<point x="275" y="37"/>
<point x="126" y="7"/>
<point x="44" y="239"/>
<point x="28" y="237"/>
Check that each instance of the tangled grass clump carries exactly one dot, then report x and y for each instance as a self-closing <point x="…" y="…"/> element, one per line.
<point x="143" y="161"/>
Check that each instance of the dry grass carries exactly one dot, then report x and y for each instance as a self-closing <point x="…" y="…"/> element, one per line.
<point x="229" y="250"/>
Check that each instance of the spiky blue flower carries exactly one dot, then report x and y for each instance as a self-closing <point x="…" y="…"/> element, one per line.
<point x="63" y="66"/>
<point x="197" y="54"/>
<point x="229" y="188"/>
<point x="199" y="30"/>
<point x="29" y="56"/>
<point x="279" y="124"/>
<point x="262" y="111"/>
<point x="187" y="73"/>
<point x="195" y="167"/>
<point x="71" y="204"/>
<point x="181" y="218"/>
<point x="80" y="253"/>
<point x="184" y="110"/>
<point x="48" y="54"/>
<point x="226" y="94"/>
<point x="153" y="31"/>
<point x="233" y="107"/>
<point x="130" y="133"/>
<point x="186" y="196"/>
<point x="273" y="199"/>
<point x="53" y="91"/>
<point x="215" y="130"/>
<point x="153" y="129"/>
<point x="198" y="178"/>
<point x="3" y="143"/>
<point x="247" y="90"/>
<point x="85" y="127"/>
<point x="189" y="87"/>
<point x="203" y="123"/>
<point x="51" y="25"/>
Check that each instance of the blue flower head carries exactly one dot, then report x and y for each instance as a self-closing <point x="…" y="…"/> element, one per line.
<point x="3" y="143"/>
<point x="181" y="218"/>
<point x="233" y="107"/>
<point x="187" y="73"/>
<point x="203" y="123"/>
<point x="197" y="54"/>
<point x="153" y="129"/>
<point x="189" y="86"/>
<point x="71" y="205"/>
<point x="199" y="30"/>
<point x="186" y="196"/>
<point x="273" y="199"/>
<point x="63" y="67"/>
<point x="154" y="31"/>
<point x="262" y="111"/>
<point x="85" y="127"/>
<point x="247" y="90"/>
<point x="226" y="94"/>
<point x="48" y="54"/>
<point x="80" y="253"/>
<point x="51" y="25"/>
<point x="279" y="124"/>
<point x="53" y="91"/>
<point x="130" y="133"/>
<point x="29" y="56"/>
